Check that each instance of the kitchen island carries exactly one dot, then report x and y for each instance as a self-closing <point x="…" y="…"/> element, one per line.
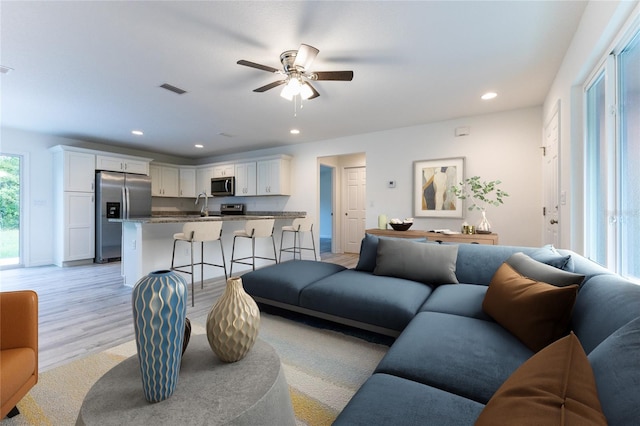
<point x="147" y="243"/>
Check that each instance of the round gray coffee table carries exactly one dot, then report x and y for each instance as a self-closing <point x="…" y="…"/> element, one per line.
<point x="252" y="391"/>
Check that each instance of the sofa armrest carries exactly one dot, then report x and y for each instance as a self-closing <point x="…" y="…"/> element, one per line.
<point x="19" y="320"/>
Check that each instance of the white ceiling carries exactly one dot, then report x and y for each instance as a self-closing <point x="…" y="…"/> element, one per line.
<point x="91" y="70"/>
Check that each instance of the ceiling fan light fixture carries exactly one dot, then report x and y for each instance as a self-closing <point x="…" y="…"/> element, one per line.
<point x="291" y="89"/>
<point x="305" y="91"/>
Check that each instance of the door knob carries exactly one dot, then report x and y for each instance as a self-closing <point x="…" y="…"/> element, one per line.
<point x="553" y="221"/>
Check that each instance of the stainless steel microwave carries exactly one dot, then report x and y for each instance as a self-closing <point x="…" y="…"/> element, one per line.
<point x="223" y="186"/>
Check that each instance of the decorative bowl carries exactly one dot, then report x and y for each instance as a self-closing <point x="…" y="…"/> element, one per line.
<point x="401" y="226"/>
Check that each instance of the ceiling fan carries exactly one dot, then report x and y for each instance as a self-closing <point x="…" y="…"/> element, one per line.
<point x="296" y="69"/>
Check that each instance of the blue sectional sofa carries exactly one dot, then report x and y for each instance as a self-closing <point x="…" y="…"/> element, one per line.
<point x="475" y="326"/>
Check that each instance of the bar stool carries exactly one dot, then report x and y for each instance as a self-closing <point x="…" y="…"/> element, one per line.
<point x="259" y="228"/>
<point x="298" y="225"/>
<point x="202" y="232"/>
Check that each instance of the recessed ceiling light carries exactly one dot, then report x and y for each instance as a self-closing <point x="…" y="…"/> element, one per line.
<point x="488" y="95"/>
<point x="294" y="131"/>
<point x="137" y="132"/>
<point x="199" y="145"/>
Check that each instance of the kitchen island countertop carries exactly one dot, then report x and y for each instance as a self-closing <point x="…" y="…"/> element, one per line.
<point x="212" y="216"/>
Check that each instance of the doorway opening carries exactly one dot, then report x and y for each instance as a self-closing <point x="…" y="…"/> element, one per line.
<point x="326" y="208"/>
<point x="10" y="195"/>
<point x="341" y="202"/>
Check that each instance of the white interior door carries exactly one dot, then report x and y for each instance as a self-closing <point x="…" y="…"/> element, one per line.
<point x="354" y="190"/>
<point x="551" y="226"/>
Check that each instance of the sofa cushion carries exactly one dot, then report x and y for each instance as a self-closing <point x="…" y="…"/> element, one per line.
<point x="425" y="263"/>
<point x="464" y="356"/>
<point x="382" y="301"/>
<point x="284" y="281"/>
<point x="616" y="366"/>
<point x="549" y="255"/>
<point x="539" y="271"/>
<point x="459" y="299"/>
<point x="604" y="304"/>
<point x="478" y="262"/>
<point x="389" y="400"/>
<point x="537" y="313"/>
<point x="556" y="386"/>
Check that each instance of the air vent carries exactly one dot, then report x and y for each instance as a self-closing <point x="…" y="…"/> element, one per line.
<point x="173" y="89"/>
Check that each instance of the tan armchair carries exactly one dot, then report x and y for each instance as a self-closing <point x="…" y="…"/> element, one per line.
<point x="18" y="346"/>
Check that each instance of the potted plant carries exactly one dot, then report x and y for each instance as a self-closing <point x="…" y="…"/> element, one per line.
<point x="481" y="194"/>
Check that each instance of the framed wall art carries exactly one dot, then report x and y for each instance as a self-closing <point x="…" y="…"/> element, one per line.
<point x="432" y="183"/>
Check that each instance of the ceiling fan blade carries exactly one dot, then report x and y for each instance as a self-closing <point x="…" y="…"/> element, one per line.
<point x="270" y="86"/>
<point x="313" y="89"/>
<point x="305" y="56"/>
<point x="258" y="66"/>
<point x="334" y="75"/>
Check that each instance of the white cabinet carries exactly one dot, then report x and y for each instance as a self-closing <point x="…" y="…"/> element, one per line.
<point x="79" y="220"/>
<point x="187" y="182"/>
<point x="203" y="180"/>
<point x="274" y="177"/>
<point x="246" y="179"/>
<point x="74" y="205"/>
<point x="122" y="164"/>
<point x="78" y="171"/>
<point x="164" y="181"/>
<point x="224" y="170"/>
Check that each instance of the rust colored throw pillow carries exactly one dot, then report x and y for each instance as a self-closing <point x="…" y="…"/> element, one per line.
<point x="556" y="386"/>
<point x="537" y="313"/>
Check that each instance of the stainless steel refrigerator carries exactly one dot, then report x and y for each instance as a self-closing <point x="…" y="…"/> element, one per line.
<point x="123" y="196"/>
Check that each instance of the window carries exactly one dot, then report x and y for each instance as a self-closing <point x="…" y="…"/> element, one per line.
<point x="9" y="211"/>
<point x="629" y="159"/>
<point x="612" y="155"/>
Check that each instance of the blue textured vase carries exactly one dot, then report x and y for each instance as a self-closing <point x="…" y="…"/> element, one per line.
<point x="159" y="309"/>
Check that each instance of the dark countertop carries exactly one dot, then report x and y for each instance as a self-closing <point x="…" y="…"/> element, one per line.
<point x="177" y="218"/>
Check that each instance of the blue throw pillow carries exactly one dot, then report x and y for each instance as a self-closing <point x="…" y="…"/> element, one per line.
<point x="368" y="253"/>
<point x="549" y="255"/>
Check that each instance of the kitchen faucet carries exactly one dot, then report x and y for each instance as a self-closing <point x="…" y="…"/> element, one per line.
<point x="204" y="211"/>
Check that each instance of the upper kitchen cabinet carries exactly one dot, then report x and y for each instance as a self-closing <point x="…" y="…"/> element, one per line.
<point x="274" y="176"/>
<point x="246" y="179"/>
<point x="77" y="171"/>
<point x="224" y="170"/>
<point x="122" y="164"/>
<point x="187" y="182"/>
<point x="165" y="181"/>
<point x="203" y="180"/>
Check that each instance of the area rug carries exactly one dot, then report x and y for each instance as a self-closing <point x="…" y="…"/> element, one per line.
<point x="323" y="367"/>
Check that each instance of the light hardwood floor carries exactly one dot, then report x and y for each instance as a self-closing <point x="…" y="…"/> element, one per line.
<point x="87" y="309"/>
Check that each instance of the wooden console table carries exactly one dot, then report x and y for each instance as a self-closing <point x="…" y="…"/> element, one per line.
<point x="491" y="239"/>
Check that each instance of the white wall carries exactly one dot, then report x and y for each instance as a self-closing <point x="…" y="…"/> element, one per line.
<point x="38" y="186"/>
<point x="501" y="146"/>
<point x="600" y="23"/>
